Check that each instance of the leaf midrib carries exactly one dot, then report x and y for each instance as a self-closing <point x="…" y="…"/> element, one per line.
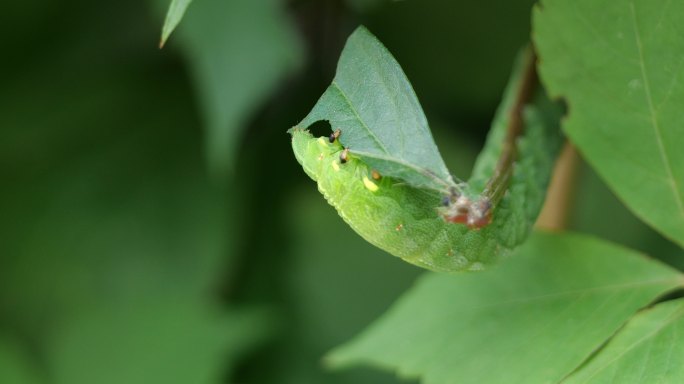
<point x="388" y="157"/>
<point x="358" y="117"/>
<point x="654" y="118"/>
<point x="675" y="281"/>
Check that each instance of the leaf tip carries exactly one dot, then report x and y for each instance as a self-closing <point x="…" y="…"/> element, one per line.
<point x="361" y="32"/>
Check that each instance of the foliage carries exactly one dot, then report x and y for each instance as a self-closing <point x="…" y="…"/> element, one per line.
<point x="149" y="236"/>
<point x="557" y="290"/>
<point x="622" y="73"/>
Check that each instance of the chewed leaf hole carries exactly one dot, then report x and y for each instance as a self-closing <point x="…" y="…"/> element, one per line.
<point x="320" y="128"/>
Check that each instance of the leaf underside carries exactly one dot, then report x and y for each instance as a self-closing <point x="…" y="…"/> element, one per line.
<point x="374" y="106"/>
<point x="561" y="293"/>
<point x="400" y="217"/>
<point x="620" y="66"/>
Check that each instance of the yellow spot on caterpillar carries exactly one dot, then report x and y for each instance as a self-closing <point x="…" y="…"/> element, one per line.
<point x="335" y="166"/>
<point x="320" y="157"/>
<point x="321" y="141"/>
<point x="369" y="184"/>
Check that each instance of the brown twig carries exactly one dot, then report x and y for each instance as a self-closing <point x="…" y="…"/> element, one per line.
<point x="497" y="184"/>
<point x="477" y="212"/>
<point x="559" y="196"/>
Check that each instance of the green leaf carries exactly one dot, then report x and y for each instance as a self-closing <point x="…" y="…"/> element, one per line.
<point x="403" y="220"/>
<point x="373" y="104"/>
<point x="649" y="349"/>
<point x="532" y="320"/>
<point x="173" y="17"/>
<point x="619" y="66"/>
<point x="238" y="51"/>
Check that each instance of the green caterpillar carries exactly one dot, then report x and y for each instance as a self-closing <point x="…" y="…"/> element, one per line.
<point x="393" y="216"/>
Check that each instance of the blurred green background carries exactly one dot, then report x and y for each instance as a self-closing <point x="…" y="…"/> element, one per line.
<point x="154" y="225"/>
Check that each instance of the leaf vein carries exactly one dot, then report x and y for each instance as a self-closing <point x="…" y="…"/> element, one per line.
<point x="583" y="291"/>
<point x="654" y="116"/>
<point x="358" y="117"/>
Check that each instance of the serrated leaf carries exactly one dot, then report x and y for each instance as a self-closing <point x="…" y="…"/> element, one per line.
<point x="403" y="220"/>
<point x="173" y="17"/>
<point x="373" y="104"/>
<point x="532" y="320"/>
<point x="238" y="51"/>
<point x="619" y="66"/>
<point x="649" y="349"/>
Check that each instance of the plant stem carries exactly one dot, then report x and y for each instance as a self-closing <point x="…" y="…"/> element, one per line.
<point x="559" y="197"/>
